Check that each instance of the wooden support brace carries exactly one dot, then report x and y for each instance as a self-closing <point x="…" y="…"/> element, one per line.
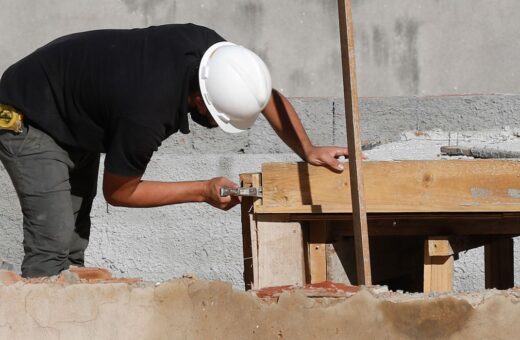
<point x="317" y="252"/>
<point x="280" y="253"/>
<point x="439" y="246"/>
<point x="272" y="244"/>
<point x="249" y="233"/>
<point x="359" y="213"/>
<point x="499" y="264"/>
<point x="438" y="265"/>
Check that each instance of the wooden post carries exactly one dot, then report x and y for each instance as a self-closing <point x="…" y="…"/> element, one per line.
<point x="249" y="241"/>
<point x="438" y="265"/>
<point x="498" y="260"/>
<point x="354" y="142"/>
<point x="317" y="251"/>
<point x="280" y="253"/>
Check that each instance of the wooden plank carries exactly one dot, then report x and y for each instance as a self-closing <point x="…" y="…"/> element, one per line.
<point x="249" y="232"/>
<point x="357" y="192"/>
<point x="439" y="246"/>
<point x="248" y="224"/>
<point x="438" y="271"/>
<point x="498" y="258"/>
<point x="395" y="187"/>
<point x="316" y="247"/>
<point x="256" y="181"/>
<point x="280" y="253"/>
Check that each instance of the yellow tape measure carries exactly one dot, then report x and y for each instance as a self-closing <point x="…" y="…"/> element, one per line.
<point x="10" y="119"/>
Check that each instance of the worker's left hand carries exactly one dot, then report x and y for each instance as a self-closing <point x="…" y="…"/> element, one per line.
<point x="327" y="156"/>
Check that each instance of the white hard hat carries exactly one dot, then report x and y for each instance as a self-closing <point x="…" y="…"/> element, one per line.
<point x="235" y="85"/>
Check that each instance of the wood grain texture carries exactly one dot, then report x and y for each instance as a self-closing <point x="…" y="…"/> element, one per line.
<point x="438" y="271"/>
<point x="247" y="223"/>
<point x="439" y="246"/>
<point x="317" y="252"/>
<point x="357" y="192"/>
<point x="280" y="253"/>
<point x="395" y="187"/>
<point x="249" y="231"/>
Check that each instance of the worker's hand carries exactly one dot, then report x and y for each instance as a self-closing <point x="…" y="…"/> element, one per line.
<point x="327" y="156"/>
<point x="212" y="195"/>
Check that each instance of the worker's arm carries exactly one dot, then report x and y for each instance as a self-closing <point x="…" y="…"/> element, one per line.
<point x="132" y="191"/>
<point x="283" y="118"/>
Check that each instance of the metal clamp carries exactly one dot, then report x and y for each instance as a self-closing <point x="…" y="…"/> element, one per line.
<point x="251" y="192"/>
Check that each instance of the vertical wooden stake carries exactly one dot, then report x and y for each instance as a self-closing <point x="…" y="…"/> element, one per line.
<point x="317" y="251"/>
<point x="354" y="142"/>
<point x="249" y="232"/>
<point x="438" y="265"/>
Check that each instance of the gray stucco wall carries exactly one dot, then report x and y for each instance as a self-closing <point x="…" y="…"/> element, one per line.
<point x="161" y="243"/>
<point x="405" y="47"/>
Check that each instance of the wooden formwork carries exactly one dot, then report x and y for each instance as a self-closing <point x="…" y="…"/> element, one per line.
<point x="450" y="205"/>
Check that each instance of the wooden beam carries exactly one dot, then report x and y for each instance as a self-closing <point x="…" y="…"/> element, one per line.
<point x="499" y="257"/>
<point x="395" y="187"/>
<point x="249" y="243"/>
<point x="357" y="192"/>
<point x="438" y="270"/>
<point x="439" y="246"/>
<point x="280" y="252"/>
<point x="317" y="252"/>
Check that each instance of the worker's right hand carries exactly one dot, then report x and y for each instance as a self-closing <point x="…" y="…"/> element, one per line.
<point x="212" y="195"/>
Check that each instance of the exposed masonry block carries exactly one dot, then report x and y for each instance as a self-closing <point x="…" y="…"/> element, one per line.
<point x="382" y="119"/>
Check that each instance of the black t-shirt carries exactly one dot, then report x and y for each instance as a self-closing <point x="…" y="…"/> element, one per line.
<point x="121" y="92"/>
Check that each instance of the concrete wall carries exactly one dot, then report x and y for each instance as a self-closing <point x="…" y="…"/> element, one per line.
<point x="405" y="47"/>
<point x="409" y="47"/>
<point x="160" y="243"/>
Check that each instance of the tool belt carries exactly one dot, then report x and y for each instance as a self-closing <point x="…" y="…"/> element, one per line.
<point x="10" y="119"/>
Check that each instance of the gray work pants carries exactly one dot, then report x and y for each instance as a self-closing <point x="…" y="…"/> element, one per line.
<point x="56" y="186"/>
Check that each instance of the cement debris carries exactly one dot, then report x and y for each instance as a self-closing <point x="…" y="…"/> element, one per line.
<point x="485" y="153"/>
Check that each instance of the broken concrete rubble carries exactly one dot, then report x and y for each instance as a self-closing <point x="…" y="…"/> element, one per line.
<point x="193" y="309"/>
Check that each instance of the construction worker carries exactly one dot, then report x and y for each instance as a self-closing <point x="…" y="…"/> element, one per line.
<point x="122" y="92"/>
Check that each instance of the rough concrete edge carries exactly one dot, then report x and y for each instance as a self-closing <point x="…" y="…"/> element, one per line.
<point x="474" y="299"/>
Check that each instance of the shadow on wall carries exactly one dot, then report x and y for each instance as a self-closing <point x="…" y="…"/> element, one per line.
<point x="407" y="60"/>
